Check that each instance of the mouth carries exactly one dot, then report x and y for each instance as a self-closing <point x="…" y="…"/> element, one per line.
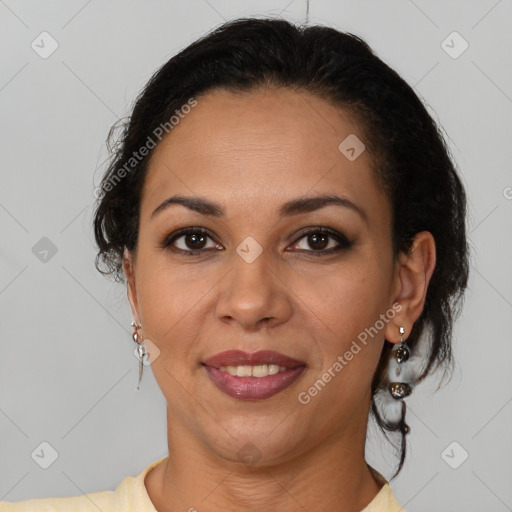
<point x="255" y="376"/>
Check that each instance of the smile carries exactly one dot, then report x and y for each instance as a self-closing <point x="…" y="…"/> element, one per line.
<point x="252" y="376"/>
<point x="261" y="370"/>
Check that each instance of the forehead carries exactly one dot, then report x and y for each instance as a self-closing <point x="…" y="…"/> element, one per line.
<point x="265" y="146"/>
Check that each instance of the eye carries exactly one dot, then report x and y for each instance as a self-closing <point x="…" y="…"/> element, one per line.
<point x="193" y="241"/>
<point x="190" y="241"/>
<point x="318" y="239"/>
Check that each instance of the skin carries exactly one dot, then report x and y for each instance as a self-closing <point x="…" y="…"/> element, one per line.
<point x="252" y="152"/>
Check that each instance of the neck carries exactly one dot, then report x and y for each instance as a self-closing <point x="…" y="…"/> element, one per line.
<point x="333" y="475"/>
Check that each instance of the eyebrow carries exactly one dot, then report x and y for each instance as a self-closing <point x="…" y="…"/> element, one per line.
<point x="292" y="207"/>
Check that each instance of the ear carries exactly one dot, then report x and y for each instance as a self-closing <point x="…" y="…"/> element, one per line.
<point x="129" y="272"/>
<point x="413" y="274"/>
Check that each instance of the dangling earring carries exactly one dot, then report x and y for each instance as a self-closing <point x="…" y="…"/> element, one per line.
<point x="141" y="349"/>
<point x="400" y="390"/>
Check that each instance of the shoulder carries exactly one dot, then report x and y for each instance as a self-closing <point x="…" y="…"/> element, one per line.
<point x="105" y="501"/>
<point x="384" y="501"/>
<point x="129" y="496"/>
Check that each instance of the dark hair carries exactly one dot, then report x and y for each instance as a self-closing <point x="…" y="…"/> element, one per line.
<point x="411" y="160"/>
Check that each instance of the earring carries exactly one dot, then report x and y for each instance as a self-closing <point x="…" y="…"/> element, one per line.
<point x="398" y="381"/>
<point x="141" y="349"/>
<point x="400" y="390"/>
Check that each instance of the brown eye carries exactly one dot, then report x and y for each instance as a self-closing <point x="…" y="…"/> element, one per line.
<point x="318" y="240"/>
<point x="323" y="241"/>
<point x="190" y="240"/>
<point x="194" y="241"/>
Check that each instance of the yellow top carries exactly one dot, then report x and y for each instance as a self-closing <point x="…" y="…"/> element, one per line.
<point x="131" y="496"/>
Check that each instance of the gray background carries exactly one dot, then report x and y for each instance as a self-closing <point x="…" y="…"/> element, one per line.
<point x="67" y="372"/>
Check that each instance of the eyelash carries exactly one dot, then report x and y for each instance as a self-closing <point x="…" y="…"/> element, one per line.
<point x="342" y="240"/>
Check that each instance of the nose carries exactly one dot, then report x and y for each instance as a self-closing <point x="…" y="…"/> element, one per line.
<point x="253" y="295"/>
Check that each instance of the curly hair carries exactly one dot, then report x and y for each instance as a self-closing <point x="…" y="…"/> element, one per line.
<point x="410" y="158"/>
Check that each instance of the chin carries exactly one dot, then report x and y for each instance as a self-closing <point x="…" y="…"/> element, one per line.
<point x="256" y="447"/>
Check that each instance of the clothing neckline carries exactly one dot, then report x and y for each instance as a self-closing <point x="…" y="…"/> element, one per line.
<point x="142" y="477"/>
<point x="384" y="491"/>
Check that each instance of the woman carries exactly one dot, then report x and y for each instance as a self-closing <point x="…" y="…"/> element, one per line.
<point x="291" y="229"/>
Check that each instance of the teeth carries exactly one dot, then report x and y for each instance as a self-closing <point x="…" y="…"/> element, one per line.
<point x="261" y="370"/>
<point x="258" y="371"/>
<point x="273" y="369"/>
<point x="243" y="371"/>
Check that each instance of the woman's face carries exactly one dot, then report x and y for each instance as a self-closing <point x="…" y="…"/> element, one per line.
<point x="264" y="277"/>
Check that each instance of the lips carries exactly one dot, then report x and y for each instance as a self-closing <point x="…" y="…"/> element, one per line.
<point x="241" y="358"/>
<point x="253" y="388"/>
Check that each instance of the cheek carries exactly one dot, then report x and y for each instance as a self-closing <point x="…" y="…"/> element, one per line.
<point x="342" y="295"/>
<point x="341" y="305"/>
<point x="353" y="301"/>
<point x="168" y="296"/>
